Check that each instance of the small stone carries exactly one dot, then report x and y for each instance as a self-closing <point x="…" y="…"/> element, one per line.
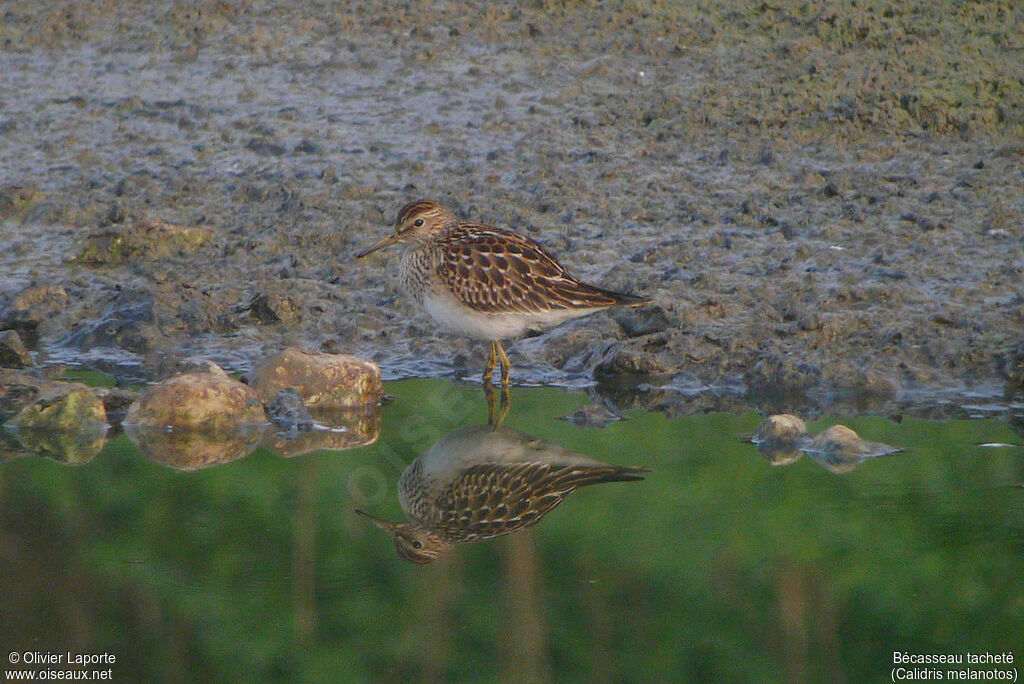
<point x="288" y="411"/>
<point x="13" y="353"/>
<point x="274" y="308"/>
<point x="618" y="361"/>
<point x="593" y="415"/>
<point x="322" y="380"/>
<point x="197" y="401"/>
<point x="644" y="320"/>
<point x="778" y="438"/>
<point x="62" y="406"/>
<point x="781" y="427"/>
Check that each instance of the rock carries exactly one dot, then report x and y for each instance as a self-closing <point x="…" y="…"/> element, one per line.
<point x="210" y="401"/>
<point x="618" y="361"/>
<point x="778" y="438"/>
<point x="145" y="239"/>
<point x="323" y="380"/>
<point x="13" y="353"/>
<point x="593" y="415"/>
<point x="840" y="449"/>
<point x="17" y="200"/>
<point x="288" y="411"/>
<point x="31" y="402"/>
<point x="274" y="308"/>
<point x="29" y="308"/>
<point x="17" y="390"/>
<point x="642" y="320"/>
<point x="116" y="402"/>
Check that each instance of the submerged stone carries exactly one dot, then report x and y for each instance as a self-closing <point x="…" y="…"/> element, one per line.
<point x="593" y="415"/>
<point x="322" y="380"/>
<point x="778" y="438"/>
<point x="781" y="427"/>
<point x="288" y="411"/>
<point x="840" y="449"/>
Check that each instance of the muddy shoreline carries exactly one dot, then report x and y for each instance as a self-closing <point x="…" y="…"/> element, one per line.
<point x="827" y="208"/>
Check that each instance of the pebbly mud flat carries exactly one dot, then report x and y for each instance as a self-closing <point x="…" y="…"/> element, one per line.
<point x="826" y="203"/>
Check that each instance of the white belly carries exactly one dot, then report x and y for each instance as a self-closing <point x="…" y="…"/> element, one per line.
<point x="458" y="318"/>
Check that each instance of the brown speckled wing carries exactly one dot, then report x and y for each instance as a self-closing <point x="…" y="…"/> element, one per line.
<point x="496" y="271"/>
<point x="488" y="500"/>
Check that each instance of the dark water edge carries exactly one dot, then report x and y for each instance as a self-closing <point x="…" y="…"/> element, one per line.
<point x="728" y="567"/>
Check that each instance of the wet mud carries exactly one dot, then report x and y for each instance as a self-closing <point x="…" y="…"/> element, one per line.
<point x="825" y="202"/>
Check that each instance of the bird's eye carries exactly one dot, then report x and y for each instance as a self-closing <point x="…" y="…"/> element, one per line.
<point x="418" y="222"/>
<point x="417" y="544"/>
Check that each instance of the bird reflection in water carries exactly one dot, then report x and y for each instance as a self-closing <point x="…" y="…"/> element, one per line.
<point x="485" y="481"/>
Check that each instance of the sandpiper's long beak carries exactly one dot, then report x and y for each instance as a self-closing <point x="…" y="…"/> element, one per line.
<point x="381" y="244"/>
<point x="379" y="522"/>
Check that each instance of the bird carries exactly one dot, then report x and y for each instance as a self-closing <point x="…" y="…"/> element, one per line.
<point x="481" y="482"/>
<point x="487" y="283"/>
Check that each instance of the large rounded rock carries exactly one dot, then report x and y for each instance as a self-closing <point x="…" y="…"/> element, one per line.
<point x="206" y="400"/>
<point x="326" y="381"/>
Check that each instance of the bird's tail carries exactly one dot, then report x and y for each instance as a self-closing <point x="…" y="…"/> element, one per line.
<point x="623" y="299"/>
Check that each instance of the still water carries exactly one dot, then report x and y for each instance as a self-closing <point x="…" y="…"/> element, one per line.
<point x="705" y="561"/>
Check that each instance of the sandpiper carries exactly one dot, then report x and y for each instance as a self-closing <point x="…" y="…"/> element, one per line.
<point x="480" y="482"/>
<point x="487" y="283"/>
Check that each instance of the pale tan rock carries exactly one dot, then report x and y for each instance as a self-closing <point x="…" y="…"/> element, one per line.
<point x="323" y="380"/>
<point x="840" y="449"/>
<point x="778" y="438"/>
<point x="781" y="427"/>
<point x="209" y="400"/>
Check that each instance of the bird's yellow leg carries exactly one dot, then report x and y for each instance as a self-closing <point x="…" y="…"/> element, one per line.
<point x="506" y="366"/>
<point x="492" y="361"/>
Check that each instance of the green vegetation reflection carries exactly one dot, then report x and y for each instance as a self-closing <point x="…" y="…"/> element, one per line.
<point x="718" y="565"/>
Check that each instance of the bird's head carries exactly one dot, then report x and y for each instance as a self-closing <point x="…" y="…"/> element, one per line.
<point x="418" y="222"/>
<point x="413" y="542"/>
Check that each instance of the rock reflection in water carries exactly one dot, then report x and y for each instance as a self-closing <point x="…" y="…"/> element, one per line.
<point x="331" y="429"/>
<point x="480" y="482"/>
<point x="195" y="448"/>
<point x="64" y="446"/>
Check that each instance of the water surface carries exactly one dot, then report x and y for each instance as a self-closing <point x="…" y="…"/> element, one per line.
<point x="718" y="565"/>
